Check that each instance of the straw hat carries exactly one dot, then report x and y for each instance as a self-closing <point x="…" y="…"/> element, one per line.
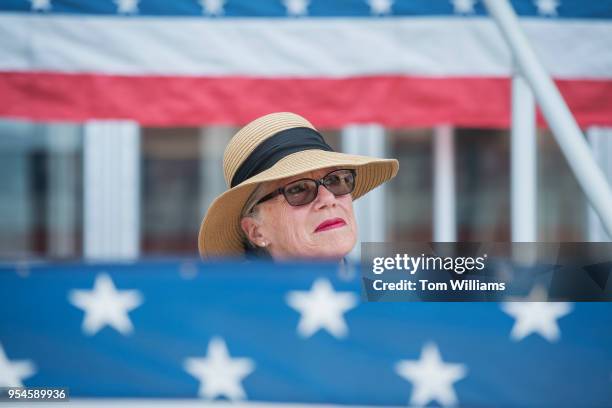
<point x="274" y="147"/>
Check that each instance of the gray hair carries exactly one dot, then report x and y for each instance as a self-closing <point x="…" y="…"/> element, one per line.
<point x="250" y="206"/>
<point x="250" y="210"/>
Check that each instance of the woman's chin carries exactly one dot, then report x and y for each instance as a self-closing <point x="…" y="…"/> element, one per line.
<point x="334" y="251"/>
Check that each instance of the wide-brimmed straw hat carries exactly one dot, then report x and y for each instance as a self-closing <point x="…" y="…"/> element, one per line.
<point x="274" y="147"/>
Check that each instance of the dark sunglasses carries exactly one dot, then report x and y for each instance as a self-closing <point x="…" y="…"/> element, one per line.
<point x="304" y="191"/>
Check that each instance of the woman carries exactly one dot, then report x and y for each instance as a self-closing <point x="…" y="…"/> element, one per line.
<point x="290" y="195"/>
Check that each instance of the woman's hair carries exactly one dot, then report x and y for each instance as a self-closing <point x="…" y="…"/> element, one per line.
<point x="250" y="209"/>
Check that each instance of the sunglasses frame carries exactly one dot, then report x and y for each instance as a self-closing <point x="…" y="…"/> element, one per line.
<point x="319" y="182"/>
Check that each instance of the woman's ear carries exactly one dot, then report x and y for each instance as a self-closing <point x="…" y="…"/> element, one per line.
<point x="252" y="230"/>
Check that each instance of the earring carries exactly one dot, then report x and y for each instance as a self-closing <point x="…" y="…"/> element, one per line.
<point x="264" y="244"/>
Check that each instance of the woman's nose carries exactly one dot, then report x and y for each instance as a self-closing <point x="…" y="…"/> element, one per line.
<point x="325" y="197"/>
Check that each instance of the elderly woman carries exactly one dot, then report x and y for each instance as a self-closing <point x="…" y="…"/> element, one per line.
<point x="290" y="195"/>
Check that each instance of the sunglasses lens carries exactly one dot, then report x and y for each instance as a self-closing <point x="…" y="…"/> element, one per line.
<point x="340" y="182"/>
<point x="301" y="192"/>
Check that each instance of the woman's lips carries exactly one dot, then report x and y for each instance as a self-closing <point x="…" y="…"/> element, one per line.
<point x="330" y="224"/>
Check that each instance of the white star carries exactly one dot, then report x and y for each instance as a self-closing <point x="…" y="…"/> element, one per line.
<point x="212" y="7"/>
<point x="106" y="305"/>
<point x="296" y="8"/>
<point x="12" y="373"/>
<point x="536" y="316"/>
<point x="547" y="7"/>
<point x="380" y="7"/>
<point x="127" y="6"/>
<point x="464" y="6"/>
<point x="218" y="373"/>
<point x="431" y="378"/>
<point x="322" y="308"/>
<point x="40" y="5"/>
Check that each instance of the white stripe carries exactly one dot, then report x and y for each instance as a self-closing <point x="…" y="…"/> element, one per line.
<point x="297" y="47"/>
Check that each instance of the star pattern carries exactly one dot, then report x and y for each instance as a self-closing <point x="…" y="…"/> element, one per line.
<point x="547" y="8"/>
<point x="105" y="305"/>
<point x="213" y="7"/>
<point x="219" y="374"/>
<point x="431" y="378"/>
<point x="127" y="6"/>
<point x="12" y="373"/>
<point x="40" y="5"/>
<point x="296" y="8"/>
<point x="463" y="6"/>
<point x="322" y="308"/>
<point x="536" y="316"/>
<point x="380" y="7"/>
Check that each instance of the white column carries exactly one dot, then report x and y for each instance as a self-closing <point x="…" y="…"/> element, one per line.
<point x="62" y="142"/>
<point x="600" y="139"/>
<point x="523" y="163"/>
<point x="370" y="209"/>
<point x="111" y="161"/>
<point x="213" y="141"/>
<point x="565" y="128"/>
<point x="444" y="207"/>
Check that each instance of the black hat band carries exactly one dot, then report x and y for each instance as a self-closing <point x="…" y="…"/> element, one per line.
<point x="273" y="149"/>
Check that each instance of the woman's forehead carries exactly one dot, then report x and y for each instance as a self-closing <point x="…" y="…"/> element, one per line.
<point x="316" y="174"/>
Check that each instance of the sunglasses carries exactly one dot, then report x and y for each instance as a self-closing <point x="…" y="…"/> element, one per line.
<point x="304" y="191"/>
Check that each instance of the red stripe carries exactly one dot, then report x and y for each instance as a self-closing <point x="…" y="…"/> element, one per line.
<point x="394" y="101"/>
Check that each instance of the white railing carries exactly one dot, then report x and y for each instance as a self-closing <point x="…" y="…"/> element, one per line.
<point x="563" y="125"/>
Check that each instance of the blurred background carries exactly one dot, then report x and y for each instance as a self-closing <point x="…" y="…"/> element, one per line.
<point x="114" y="115"/>
<point x="113" y="122"/>
<point x="175" y="173"/>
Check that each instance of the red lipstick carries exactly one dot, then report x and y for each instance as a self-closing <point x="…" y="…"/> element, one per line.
<point x="330" y="224"/>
